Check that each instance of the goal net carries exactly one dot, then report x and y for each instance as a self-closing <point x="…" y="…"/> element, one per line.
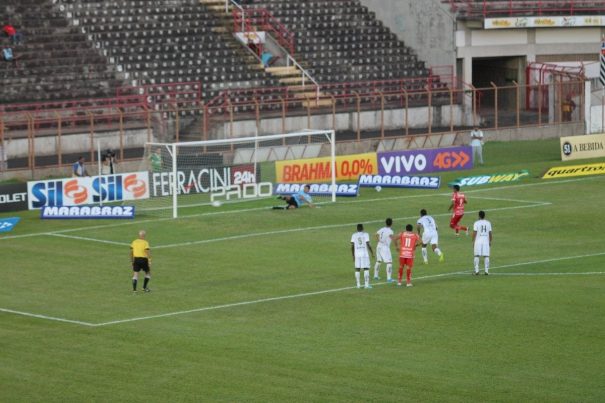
<point x="189" y="178"/>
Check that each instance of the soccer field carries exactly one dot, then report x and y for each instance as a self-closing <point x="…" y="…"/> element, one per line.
<point x="252" y="304"/>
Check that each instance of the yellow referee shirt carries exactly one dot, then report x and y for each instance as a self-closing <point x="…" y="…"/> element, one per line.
<point x="139" y="248"/>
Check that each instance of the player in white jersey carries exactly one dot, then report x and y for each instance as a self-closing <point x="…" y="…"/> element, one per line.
<point x="427" y="228"/>
<point x="482" y="241"/>
<point x="361" y="250"/>
<point x="384" y="236"/>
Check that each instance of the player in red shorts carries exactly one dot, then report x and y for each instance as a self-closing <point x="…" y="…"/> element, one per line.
<point x="406" y="242"/>
<point x="458" y="202"/>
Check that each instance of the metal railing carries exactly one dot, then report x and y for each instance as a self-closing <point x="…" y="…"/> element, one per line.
<point x="492" y="107"/>
<point x="260" y="19"/>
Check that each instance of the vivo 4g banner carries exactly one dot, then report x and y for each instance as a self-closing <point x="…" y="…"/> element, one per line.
<point x="424" y="161"/>
<point x="88" y="190"/>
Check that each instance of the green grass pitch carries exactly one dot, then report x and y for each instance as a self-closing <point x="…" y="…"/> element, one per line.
<point x="259" y="305"/>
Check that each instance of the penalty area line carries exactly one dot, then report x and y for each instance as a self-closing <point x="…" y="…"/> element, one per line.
<point x="46" y="317"/>
<point x="186" y="217"/>
<point x="286" y="297"/>
<point x="588" y="273"/>
<point x="82" y="238"/>
<point x="334" y="290"/>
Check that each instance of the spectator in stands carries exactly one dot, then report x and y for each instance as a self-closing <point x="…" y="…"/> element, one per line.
<point x="12" y="34"/>
<point x="109" y="160"/>
<point x="78" y="168"/>
<point x="477" y="144"/>
<point x="266" y="58"/>
<point x="567" y="107"/>
<point x="9" y="56"/>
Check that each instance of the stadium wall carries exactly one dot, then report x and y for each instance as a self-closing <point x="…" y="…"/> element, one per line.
<point x="426" y="26"/>
<point x="459" y="137"/>
<point x="392" y="119"/>
<point x="550" y="45"/>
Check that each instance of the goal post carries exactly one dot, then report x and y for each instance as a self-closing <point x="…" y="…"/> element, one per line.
<point x="197" y="174"/>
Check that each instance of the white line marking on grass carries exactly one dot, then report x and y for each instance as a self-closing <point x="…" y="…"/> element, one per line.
<point x="82" y="238"/>
<point x="553" y="182"/>
<point x="285" y="297"/>
<point x="334" y="290"/>
<point x="510" y="200"/>
<point x="589" y="273"/>
<point x="53" y="318"/>
<point x="322" y="227"/>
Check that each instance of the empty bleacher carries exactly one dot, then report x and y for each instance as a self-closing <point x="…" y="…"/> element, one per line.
<point x="55" y="59"/>
<point x="342" y="41"/>
<point x="160" y="42"/>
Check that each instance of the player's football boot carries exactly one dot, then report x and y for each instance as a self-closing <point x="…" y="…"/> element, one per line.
<point x="442" y="258"/>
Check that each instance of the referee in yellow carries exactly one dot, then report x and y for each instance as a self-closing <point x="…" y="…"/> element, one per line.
<point x="141" y="260"/>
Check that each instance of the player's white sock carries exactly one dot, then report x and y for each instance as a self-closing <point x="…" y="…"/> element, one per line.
<point x="366" y="277"/>
<point x="425" y="255"/>
<point x="389" y="271"/>
<point x="357" y="278"/>
<point x="476" y="260"/>
<point x="438" y="251"/>
<point x="486" y="261"/>
<point x="376" y="267"/>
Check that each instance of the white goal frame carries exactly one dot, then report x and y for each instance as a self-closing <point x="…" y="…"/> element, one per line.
<point x="172" y="148"/>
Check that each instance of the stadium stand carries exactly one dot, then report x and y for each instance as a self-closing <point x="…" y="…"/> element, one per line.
<point x="159" y="42"/>
<point x="342" y="41"/>
<point x="55" y="60"/>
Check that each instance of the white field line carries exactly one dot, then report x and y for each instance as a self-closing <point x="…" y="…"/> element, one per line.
<point x="323" y="227"/>
<point x="53" y="318"/>
<point x="510" y="200"/>
<point x="82" y="238"/>
<point x="284" y="231"/>
<point x="284" y="297"/>
<point x="589" y="273"/>
<point x="120" y="224"/>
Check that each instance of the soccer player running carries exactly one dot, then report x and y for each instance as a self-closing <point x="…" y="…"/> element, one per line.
<point x="140" y="258"/>
<point x="458" y="202"/>
<point x="427" y="227"/>
<point x="482" y="241"/>
<point x="384" y="236"/>
<point x="297" y="200"/>
<point x="361" y="250"/>
<point x="406" y="242"/>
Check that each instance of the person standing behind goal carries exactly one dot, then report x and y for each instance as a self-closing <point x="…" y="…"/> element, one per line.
<point x="482" y="240"/>
<point x="361" y="250"/>
<point x="140" y="257"/>
<point x="384" y="236"/>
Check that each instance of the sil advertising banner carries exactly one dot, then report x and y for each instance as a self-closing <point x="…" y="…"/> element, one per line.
<point x="311" y="170"/>
<point x="425" y="161"/>
<point x="88" y="190"/>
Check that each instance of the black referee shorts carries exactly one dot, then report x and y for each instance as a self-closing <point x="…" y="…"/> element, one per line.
<point x="140" y="263"/>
